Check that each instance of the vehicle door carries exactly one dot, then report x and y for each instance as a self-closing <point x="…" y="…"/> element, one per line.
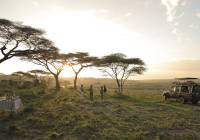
<point x="184" y="92"/>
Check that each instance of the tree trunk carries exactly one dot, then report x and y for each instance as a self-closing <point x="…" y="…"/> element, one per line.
<point x="75" y="81"/>
<point x="118" y="85"/>
<point x="57" y="82"/>
<point x="121" y="87"/>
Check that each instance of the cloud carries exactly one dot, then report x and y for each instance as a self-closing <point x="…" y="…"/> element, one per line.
<point x="103" y="11"/>
<point x="174" y="31"/>
<point x="184" y="3"/>
<point x="176" y="23"/>
<point x="188" y="66"/>
<point x="35" y="3"/>
<point x="193" y="26"/>
<point x="171" y="6"/>
<point x="128" y="14"/>
<point x="173" y="69"/>
<point x="198" y="14"/>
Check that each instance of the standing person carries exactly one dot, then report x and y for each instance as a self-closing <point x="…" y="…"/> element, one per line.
<point x="91" y="92"/>
<point x="101" y="93"/>
<point x="81" y="89"/>
<point x="105" y="90"/>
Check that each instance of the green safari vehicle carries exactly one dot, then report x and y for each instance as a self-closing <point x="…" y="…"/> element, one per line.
<point x="184" y="90"/>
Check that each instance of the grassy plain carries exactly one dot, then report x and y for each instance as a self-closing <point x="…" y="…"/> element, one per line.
<point x="139" y="114"/>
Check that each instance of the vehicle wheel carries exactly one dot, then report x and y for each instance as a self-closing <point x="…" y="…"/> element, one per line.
<point x="181" y="100"/>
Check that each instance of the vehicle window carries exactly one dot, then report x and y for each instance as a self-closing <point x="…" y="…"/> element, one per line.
<point x="196" y="89"/>
<point x="176" y="89"/>
<point x="184" y="89"/>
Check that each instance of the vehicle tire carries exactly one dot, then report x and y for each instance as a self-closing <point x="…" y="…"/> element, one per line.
<point x="181" y="100"/>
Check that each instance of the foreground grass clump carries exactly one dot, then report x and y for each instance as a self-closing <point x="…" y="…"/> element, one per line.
<point x="138" y="114"/>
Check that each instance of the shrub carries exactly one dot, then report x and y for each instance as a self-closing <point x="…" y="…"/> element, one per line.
<point x="12" y="128"/>
<point x="29" y="109"/>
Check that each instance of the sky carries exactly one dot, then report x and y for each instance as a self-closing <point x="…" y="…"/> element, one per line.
<point x="163" y="33"/>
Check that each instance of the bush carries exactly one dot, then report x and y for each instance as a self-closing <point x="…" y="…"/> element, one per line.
<point x="12" y="128"/>
<point x="42" y="91"/>
<point x="29" y="109"/>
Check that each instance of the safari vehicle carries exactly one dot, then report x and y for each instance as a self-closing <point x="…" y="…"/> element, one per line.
<point x="184" y="90"/>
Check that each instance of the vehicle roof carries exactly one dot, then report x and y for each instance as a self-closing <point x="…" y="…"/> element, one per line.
<point x="186" y="81"/>
<point x="186" y="78"/>
<point x="185" y="84"/>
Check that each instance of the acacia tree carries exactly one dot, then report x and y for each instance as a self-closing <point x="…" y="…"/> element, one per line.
<point x="48" y="57"/>
<point x="15" y="39"/>
<point x="78" y="61"/>
<point x="120" y="68"/>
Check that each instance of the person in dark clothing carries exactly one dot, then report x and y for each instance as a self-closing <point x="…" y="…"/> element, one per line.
<point x="91" y="90"/>
<point x="101" y="92"/>
<point x="104" y="90"/>
<point x="81" y="90"/>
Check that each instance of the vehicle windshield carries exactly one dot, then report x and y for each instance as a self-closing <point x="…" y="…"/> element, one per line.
<point x="184" y="89"/>
<point x="196" y="88"/>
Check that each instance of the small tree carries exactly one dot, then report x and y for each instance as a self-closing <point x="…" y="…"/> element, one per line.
<point x="38" y="73"/>
<point x="48" y="57"/>
<point x="78" y="61"/>
<point x="22" y="75"/>
<point x="120" y="68"/>
<point x="15" y="39"/>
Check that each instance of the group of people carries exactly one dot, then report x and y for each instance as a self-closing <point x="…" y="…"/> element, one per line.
<point x="102" y="91"/>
